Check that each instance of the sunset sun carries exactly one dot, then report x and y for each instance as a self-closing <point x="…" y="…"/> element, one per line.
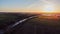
<point x="48" y="8"/>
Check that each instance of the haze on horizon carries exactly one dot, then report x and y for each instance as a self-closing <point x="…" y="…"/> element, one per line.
<point x="27" y="5"/>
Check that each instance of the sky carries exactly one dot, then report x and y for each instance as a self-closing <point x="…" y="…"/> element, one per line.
<point x="28" y="5"/>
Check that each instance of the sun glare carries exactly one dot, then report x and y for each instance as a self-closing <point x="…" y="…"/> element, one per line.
<point x="48" y="8"/>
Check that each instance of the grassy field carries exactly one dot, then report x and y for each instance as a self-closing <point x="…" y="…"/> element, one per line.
<point x="38" y="25"/>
